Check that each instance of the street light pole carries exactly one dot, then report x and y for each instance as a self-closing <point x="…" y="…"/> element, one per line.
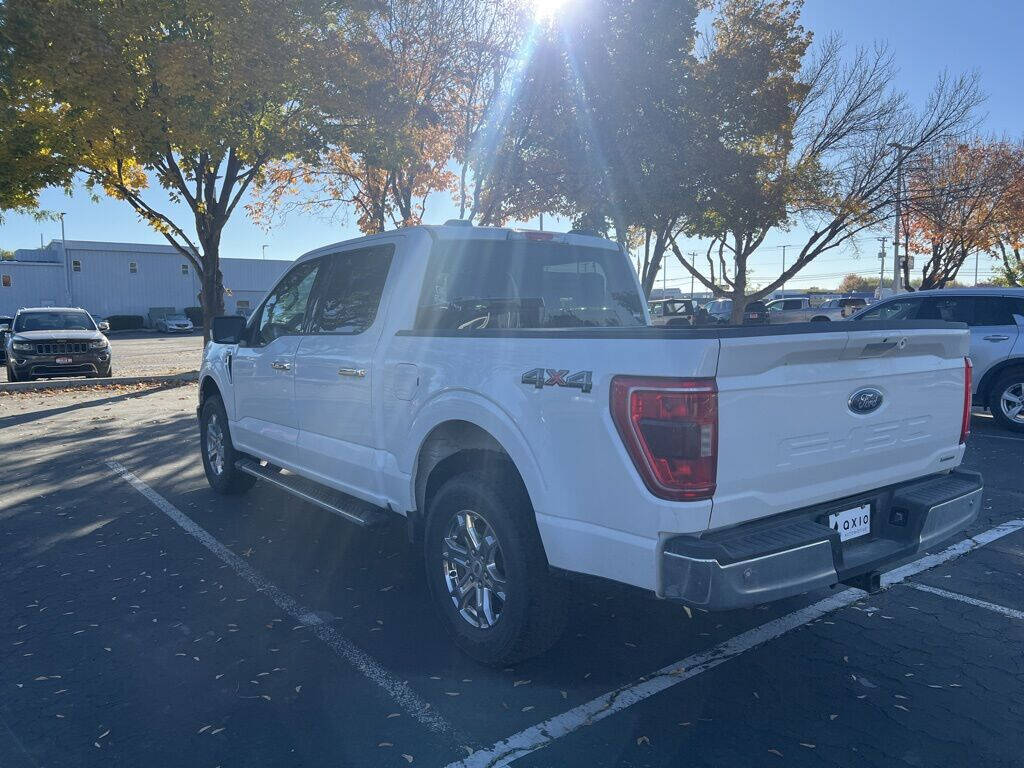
<point x="67" y="261"/>
<point x="264" y="251"/>
<point x="881" y="271"/>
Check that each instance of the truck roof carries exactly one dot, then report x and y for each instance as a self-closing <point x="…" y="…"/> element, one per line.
<point x="456" y="229"/>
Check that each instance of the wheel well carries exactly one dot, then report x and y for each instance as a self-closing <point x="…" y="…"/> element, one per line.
<point x="820" y="319"/>
<point x="207" y="388"/>
<point x="993" y="374"/>
<point x="452" y="448"/>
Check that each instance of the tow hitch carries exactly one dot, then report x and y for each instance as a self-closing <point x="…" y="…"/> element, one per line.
<point x="869" y="582"/>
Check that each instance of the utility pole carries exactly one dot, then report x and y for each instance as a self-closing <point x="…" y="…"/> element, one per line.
<point x="542" y="222"/>
<point x="976" y="267"/>
<point x="67" y="261"/>
<point x="784" y="268"/>
<point x="264" y="246"/>
<point x="896" y="281"/>
<point x="881" y="272"/>
<point x="693" y="263"/>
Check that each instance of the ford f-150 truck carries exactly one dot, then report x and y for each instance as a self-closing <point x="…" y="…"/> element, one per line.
<point x="505" y="392"/>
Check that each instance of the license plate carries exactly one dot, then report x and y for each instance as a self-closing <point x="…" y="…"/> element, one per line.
<point x="63" y="361"/>
<point x="851" y="523"/>
<point x="752" y="316"/>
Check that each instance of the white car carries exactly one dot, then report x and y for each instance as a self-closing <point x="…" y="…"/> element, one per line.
<point x="802" y="311"/>
<point x="174" y="324"/>
<point x="505" y="393"/>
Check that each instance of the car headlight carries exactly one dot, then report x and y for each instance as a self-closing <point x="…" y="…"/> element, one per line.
<point x="23" y="346"/>
<point x="99" y="344"/>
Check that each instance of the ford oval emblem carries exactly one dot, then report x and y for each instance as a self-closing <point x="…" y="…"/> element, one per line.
<point x="865" y="400"/>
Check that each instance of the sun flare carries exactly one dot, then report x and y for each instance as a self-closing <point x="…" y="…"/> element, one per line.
<point x="546" y="10"/>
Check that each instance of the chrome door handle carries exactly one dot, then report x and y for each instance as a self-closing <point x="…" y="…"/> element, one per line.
<point x="278" y="365"/>
<point x="352" y="372"/>
<point x="996" y="337"/>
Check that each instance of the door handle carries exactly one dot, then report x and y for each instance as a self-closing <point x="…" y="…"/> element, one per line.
<point x="359" y="372"/>
<point x="278" y="365"/>
<point x="996" y="337"/>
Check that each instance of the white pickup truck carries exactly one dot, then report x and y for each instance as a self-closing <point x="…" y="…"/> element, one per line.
<point x="505" y="392"/>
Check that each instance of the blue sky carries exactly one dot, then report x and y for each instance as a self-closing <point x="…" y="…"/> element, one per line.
<point x="927" y="36"/>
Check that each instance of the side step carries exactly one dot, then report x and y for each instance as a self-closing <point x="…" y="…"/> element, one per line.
<point x="354" y="510"/>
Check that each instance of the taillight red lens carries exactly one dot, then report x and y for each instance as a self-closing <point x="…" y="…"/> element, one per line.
<point x="670" y="429"/>
<point x="965" y="423"/>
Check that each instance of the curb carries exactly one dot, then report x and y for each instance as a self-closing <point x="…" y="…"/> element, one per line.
<point x="32" y="386"/>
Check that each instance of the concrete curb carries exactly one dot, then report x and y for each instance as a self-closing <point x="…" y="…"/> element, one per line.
<point x="32" y="386"/>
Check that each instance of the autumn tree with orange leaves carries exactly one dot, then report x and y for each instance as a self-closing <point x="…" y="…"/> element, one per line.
<point x="956" y="197"/>
<point x="442" y="63"/>
<point x="1009" y="228"/>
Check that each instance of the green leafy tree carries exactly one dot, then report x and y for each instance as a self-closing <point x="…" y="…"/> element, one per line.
<point x="192" y="97"/>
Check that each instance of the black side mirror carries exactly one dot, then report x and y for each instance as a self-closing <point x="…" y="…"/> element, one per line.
<point x="228" y="329"/>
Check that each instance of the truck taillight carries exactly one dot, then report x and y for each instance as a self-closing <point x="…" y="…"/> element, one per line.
<point x="670" y="429"/>
<point x="965" y="423"/>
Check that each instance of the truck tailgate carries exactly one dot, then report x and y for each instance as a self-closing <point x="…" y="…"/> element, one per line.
<point x="789" y="438"/>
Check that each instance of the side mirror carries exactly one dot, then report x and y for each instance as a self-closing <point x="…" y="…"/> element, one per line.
<point x="227" y="329"/>
<point x="103" y="325"/>
<point x="5" y="327"/>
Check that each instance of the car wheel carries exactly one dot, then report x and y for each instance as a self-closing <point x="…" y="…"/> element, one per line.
<point x="1006" y="400"/>
<point x="486" y="569"/>
<point x="219" y="454"/>
<point x="12" y="375"/>
<point x="103" y="373"/>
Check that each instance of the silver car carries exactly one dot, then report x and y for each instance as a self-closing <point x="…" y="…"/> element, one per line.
<point x="996" y="320"/>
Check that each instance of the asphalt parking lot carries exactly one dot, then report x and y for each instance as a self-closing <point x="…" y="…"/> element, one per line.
<point x="142" y="353"/>
<point x="147" y="621"/>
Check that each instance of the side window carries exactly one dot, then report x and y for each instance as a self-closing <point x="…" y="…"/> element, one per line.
<point x="285" y="308"/>
<point x="997" y="310"/>
<point x="349" y="294"/>
<point x="793" y="304"/>
<point x="901" y="309"/>
<point x="954" y="309"/>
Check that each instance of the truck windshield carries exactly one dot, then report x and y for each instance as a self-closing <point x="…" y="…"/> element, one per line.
<point x="53" y="321"/>
<point x="480" y="284"/>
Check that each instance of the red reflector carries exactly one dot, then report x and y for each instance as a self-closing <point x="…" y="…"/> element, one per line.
<point x="965" y="423"/>
<point x="670" y="430"/>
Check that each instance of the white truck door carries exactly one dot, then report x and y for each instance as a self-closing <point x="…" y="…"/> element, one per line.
<point x="334" y="372"/>
<point x="266" y="422"/>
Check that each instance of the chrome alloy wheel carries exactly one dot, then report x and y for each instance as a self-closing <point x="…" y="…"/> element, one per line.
<point x="1011" y="402"/>
<point x="474" y="569"/>
<point x="215" y="445"/>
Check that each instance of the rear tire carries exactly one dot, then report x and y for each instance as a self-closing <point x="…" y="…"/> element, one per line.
<point x="219" y="454"/>
<point x="525" y="613"/>
<point x="1006" y="400"/>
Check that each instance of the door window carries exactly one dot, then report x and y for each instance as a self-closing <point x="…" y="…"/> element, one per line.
<point x="284" y="311"/>
<point x="793" y="304"/>
<point x="349" y="294"/>
<point x="952" y="309"/>
<point x="900" y="309"/>
<point x="997" y="310"/>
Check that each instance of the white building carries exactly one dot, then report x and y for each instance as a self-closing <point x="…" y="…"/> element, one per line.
<point x="124" y="278"/>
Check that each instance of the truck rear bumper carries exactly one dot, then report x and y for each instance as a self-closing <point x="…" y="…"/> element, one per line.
<point x="797" y="551"/>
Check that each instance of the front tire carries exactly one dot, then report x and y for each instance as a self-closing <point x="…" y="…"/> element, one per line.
<point x="486" y="569"/>
<point x="1007" y="400"/>
<point x="219" y="454"/>
<point x="12" y="375"/>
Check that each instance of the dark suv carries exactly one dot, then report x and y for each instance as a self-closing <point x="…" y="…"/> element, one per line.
<point x="56" y="341"/>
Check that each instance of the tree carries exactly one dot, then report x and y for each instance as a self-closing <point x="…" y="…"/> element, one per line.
<point x="810" y="146"/>
<point x="196" y="98"/>
<point x="596" y="125"/>
<point x="854" y="283"/>
<point x="440" y="62"/>
<point x="1008" y="234"/>
<point x="955" y="198"/>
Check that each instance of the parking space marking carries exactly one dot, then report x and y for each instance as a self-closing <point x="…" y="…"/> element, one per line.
<point x="1012" y="613"/>
<point x="397" y="690"/>
<point x="542" y="734"/>
<point x="997" y="437"/>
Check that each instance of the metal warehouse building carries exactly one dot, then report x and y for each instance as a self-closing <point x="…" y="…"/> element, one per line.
<point x="124" y="278"/>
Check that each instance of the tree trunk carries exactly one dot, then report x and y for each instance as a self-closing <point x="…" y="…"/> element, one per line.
<point x="739" y="294"/>
<point x="212" y="295"/>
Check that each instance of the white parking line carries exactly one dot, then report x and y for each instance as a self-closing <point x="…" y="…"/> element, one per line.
<point x="397" y="690"/>
<point x="541" y="735"/>
<point x="1011" y="612"/>
<point x="997" y="437"/>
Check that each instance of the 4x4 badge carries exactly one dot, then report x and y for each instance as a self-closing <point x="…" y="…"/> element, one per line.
<point x="550" y="377"/>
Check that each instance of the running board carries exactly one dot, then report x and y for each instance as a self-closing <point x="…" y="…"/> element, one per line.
<point x="354" y="510"/>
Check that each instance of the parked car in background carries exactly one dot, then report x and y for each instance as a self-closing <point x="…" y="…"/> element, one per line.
<point x="848" y="306"/>
<point x="471" y="380"/>
<point x="995" y="317"/>
<point x="46" y="342"/>
<point x="801" y="311"/>
<point x="177" y="323"/>
<point x="719" y="312"/>
<point x="672" y="312"/>
<point x="5" y="328"/>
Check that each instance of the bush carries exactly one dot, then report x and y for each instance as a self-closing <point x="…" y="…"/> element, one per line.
<point x="195" y="315"/>
<point x="125" y="322"/>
